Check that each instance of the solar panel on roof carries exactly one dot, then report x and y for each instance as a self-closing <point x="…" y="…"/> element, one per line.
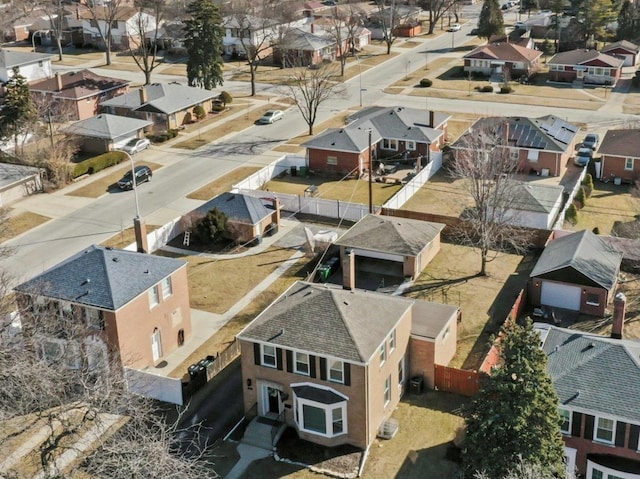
<point x="555" y="129"/>
<point x="564" y="136"/>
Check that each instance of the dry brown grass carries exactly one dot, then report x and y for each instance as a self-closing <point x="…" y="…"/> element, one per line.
<point x="221" y="185"/>
<point x="286" y="148"/>
<point x="125" y="237"/>
<point x="441" y="196"/>
<point x="102" y="185"/>
<point x="15" y="225"/>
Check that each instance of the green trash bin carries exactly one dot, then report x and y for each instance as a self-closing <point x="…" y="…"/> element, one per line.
<point x="302" y="171"/>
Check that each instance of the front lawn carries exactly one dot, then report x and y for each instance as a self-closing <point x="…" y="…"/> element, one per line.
<point x="17" y="224"/>
<point x="441" y="196"/>
<point x="97" y="188"/>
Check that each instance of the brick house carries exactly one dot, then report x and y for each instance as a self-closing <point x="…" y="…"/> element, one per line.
<point x="397" y="133"/>
<point x="501" y="58"/>
<point x="167" y="105"/>
<point x="587" y="66"/>
<point x="625" y="49"/>
<point x="620" y="155"/>
<point x="597" y="380"/>
<point x="77" y="95"/>
<point x="104" y="132"/>
<point x="578" y="272"/>
<point x="137" y="304"/>
<point x="396" y="246"/>
<point x="540" y="145"/>
<point x="333" y="363"/>
<point x="125" y="29"/>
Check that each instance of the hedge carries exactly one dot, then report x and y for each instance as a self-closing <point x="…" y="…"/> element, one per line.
<point x="426" y="83"/>
<point x="506" y="89"/>
<point x="487" y="88"/>
<point x="97" y="163"/>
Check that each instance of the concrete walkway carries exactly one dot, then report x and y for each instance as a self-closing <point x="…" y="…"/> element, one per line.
<point x="248" y="454"/>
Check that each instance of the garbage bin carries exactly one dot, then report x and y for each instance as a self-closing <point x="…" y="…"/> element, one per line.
<point x="294" y="171"/>
<point x="417" y="384"/>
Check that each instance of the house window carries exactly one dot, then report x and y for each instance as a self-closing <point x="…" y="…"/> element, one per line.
<point x="514" y="154"/>
<point x="593" y="300"/>
<point x="628" y="164"/>
<point x="383" y="353"/>
<point x="94" y="318"/>
<point x="302" y="363"/>
<point x="156" y="344"/>
<point x="596" y="474"/>
<point x="154" y="298"/>
<point x="167" y="290"/>
<point x="336" y="420"/>
<point x="388" y="144"/>
<point x="410" y="145"/>
<point x="314" y="419"/>
<point x="401" y="372"/>
<point x="392" y="341"/>
<point x="565" y="421"/>
<point x="268" y="356"/>
<point x="336" y="371"/>
<point x="327" y="420"/>
<point x="332" y="160"/>
<point x="604" y="430"/>
<point x="387" y="390"/>
<point x="533" y="155"/>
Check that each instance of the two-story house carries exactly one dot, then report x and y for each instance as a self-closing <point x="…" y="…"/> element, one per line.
<point x="136" y="304"/>
<point x="333" y="363"/>
<point x="125" y="29"/>
<point x="597" y="380"/>
<point x="391" y="133"/>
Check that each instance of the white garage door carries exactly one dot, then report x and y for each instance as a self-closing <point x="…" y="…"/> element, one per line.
<point x="561" y="296"/>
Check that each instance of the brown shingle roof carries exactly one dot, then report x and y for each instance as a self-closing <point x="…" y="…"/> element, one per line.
<point x="582" y="57"/>
<point x="622" y="44"/>
<point x="505" y="51"/>
<point x="621" y="143"/>
<point x="77" y="85"/>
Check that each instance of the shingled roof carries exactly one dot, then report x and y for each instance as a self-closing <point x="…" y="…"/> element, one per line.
<point x="164" y="98"/>
<point x="504" y="51"/>
<point x="593" y="373"/>
<point x="238" y="207"/>
<point x="584" y="252"/>
<point x="107" y="126"/>
<point x="102" y="277"/>
<point x="585" y="57"/>
<point x="390" y="234"/>
<point x="624" y="143"/>
<point x="77" y="85"/>
<point x="10" y="58"/>
<point x="537" y="198"/>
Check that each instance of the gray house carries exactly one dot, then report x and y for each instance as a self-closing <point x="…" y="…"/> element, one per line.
<point x="106" y="132"/>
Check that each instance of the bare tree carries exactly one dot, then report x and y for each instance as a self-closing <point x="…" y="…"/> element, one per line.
<point x="343" y="26"/>
<point x="388" y="19"/>
<point x="438" y="9"/>
<point x="144" y="51"/>
<point x="105" y="17"/>
<point x="310" y="87"/>
<point x="484" y="164"/>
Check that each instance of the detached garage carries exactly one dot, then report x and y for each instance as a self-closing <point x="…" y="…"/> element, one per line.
<point x="578" y="272"/>
<point x="624" y="49"/>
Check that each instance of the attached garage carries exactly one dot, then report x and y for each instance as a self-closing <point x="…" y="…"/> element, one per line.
<point x="104" y="132"/>
<point x="558" y="295"/>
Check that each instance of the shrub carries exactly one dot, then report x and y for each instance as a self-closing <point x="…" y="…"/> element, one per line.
<point x="218" y="107"/>
<point x="98" y="163"/>
<point x="506" y="89"/>
<point x="225" y="98"/>
<point x="580" y="198"/>
<point x="212" y="227"/>
<point x="587" y="183"/>
<point x="426" y="83"/>
<point x="571" y="215"/>
<point x="596" y="231"/>
<point x="199" y="112"/>
<point x="487" y="88"/>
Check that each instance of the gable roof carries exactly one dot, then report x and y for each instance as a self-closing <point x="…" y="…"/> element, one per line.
<point x="582" y="56"/>
<point x="399" y="123"/>
<point x="299" y="39"/>
<point x="586" y="253"/>
<point x="625" y="143"/>
<point x="10" y="58"/>
<point x="101" y="277"/>
<point x="10" y="173"/>
<point x="329" y="321"/>
<point x="107" y="126"/>
<point x="594" y="373"/>
<point x="390" y="234"/>
<point x="505" y="51"/>
<point x="529" y="196"/>
<point x="164" y="98"/>
<point x="623" y="45"/>
<point x="238" y="207"/>
<point x="77" y="85"/>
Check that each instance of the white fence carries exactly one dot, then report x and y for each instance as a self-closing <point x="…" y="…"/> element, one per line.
<point x="257" y="180"/>
<point x="559" y="224"/>
<point x="408" y="190"/>
<point x="154" y="386"/>
<point x="161" y="236"/>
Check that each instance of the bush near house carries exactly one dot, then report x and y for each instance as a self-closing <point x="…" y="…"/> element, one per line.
<point x="162" y="137"/>
<point x="199" y="112"/>
<point x="506" y="89"/>
<point x="587" y="184"/>
<point x="97" y="163"/>
<point x="485" y="89"/>
<point x="580" y="198"/>
<point x="425" y="83"/>
<point x="572" y="214"/>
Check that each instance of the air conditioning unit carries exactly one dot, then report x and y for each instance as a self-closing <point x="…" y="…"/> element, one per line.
<point x="388" y="429"/>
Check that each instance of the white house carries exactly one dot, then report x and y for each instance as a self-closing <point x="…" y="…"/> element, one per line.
<point x="32" y="66"/>
<point x="253" y="30"/>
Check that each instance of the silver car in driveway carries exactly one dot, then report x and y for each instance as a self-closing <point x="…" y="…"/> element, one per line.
<point x="135" y="145"/>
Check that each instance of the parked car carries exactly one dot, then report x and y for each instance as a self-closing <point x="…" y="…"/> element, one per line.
<point x="455" y="27"/>
<point x="592" y="140"/>
<point x="329" y="3"/>
<point x="520" y="25"/>
<point x="135" y="145"/>
<point x="143" y="173"/>
<point x="271" y="117"/>
<point x="583" y="156"/>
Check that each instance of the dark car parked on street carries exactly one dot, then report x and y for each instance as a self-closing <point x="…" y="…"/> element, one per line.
<point x="143" y="173"/>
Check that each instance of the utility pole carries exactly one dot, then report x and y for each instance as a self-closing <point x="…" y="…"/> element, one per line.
<point x="51" y="131"/>
<point x="370" y="177"/>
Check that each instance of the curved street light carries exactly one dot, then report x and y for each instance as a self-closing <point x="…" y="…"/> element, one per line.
<point x="133" y="184"/>
<point x="33" y="38"/>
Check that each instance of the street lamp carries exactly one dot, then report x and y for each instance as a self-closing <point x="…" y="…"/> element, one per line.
<point x="134" y="184"/>
<point x="370" y="175"/>
<point x="406" y="69"/>
<point x="33" y="38"/>
<point x="359" y="76"/>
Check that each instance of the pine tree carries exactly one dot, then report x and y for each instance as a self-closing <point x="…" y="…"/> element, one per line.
<point x="203" y="41"/>
<point x="17" y="110"/>
<point x="212" y="227"/>
<point x="594" y="16"/>
<point x="514" y="416"/>
<point x="491" y="21"/>
<point x="627" y="20"/>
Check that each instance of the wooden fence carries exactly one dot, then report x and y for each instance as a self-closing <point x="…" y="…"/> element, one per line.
<point x="459" y="381"/>
<point x="223" y="359"/>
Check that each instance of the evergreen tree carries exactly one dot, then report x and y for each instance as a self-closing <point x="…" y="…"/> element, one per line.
<point x="491" y="21"/>
<point x="17" y="110"/>
<point x="594" y="16"/>
<point x="203" y="40"/>
<point x="514" y="416"/>
<point x="627" y="20"/>
<point x="212" y="227"/>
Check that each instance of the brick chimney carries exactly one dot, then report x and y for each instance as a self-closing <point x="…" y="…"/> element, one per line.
<point x="276" y="207"/>
<point x="619" y="307"/>
<point x="143" y="95"/>
<point x="140" y="229"/>
<point x="58" y="82"/>
<point x="349" y="270"/>
<point x="313" y="28"/>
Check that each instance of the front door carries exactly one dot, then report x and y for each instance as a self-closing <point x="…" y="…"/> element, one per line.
<point x="271" y="402"/>
<point x="580" y="74"/>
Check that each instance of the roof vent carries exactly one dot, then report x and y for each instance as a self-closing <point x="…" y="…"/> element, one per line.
<point x="592" y="345"/>
<point x="346" y="303"/>
<point x="146" y="271"/>
<point x="86" y="281"/>
<point x="115" y="260"/>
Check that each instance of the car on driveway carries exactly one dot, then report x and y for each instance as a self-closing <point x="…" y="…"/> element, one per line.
<point x="271" y="116"/>
<point x="583" y="156"/>
<point x="592" y="140"/>
<point x="455" y="27"/>
<point x="520" y="25"/>
<point x="143" y="174"/>
<point x="135" y="145"/>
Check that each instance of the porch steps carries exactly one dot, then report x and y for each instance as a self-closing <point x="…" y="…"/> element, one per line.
<point x="261" y="432"/>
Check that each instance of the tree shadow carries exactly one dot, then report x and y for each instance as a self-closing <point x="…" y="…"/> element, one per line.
<point x="435" y="461"/>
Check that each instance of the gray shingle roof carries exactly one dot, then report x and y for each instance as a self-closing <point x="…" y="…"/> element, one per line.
<point x="238" y="207"/>
<point x="536" y="198"/>
<point x="10" y="58"/>
<point x="604" y="371"/>
<point x="389" y="234"/>
<point x="586" y="253"/>
<point x="328" y="321"/>
<point x="429" y="318"/>
<point x="298" y="39"/>
<point x="10" y="173"/>
<point x="107" y="126"/>
<point x="102" y="277"/>
<point x="399" y="123"/>
<point x="162" y="98"/>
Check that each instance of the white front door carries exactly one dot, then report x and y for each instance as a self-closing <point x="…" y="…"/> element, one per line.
<point x="156" y="344"/>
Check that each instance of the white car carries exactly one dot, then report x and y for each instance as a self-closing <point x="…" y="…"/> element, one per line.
<point x="271" y="116"/>
<point x="455" y="27"/>
<point x="135" y="145"/>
